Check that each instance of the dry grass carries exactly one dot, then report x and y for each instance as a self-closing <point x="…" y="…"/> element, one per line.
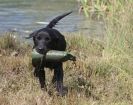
<point x="91" y="81"/>
<point x="102" y="74"/>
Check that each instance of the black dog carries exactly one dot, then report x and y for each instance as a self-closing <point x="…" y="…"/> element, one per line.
<point x="50" y="39"/>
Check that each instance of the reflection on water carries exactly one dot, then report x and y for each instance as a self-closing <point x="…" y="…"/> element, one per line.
<point x="28" y="15"/>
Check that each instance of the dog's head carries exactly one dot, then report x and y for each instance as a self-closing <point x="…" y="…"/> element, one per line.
<point x="42" y="41"/>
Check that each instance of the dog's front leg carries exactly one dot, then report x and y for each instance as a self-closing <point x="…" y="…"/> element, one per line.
<point x="36" y="71"/>
<point x="58" y="73"/>
<point x="40" y="73"/>
<point x="41" y="76"/>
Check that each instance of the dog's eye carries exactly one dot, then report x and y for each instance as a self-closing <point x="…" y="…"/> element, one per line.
<point x="47" y="38"/>
<point x="39" y="38"/>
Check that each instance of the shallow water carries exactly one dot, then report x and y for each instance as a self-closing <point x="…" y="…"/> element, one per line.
<point x="25" y="16"/>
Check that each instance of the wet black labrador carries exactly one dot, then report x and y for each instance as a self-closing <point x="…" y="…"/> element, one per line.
<point x="44" y="40"/>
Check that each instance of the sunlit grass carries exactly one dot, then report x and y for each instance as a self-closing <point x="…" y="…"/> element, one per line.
<point x="92" y="79"/>
<point x="9" y="41"/>
<point x="100" y="9"/>
<point x="102" y="74"/>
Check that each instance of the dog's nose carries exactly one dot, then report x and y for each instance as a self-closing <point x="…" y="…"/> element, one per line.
<point x="40" y="48"/>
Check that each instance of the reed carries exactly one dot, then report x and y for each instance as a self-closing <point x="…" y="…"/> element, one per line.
<point x="102" y="8"/>
<point x="9" y="41"/>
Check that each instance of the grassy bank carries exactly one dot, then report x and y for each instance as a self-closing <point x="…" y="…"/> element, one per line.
<point x="102" y="74"/>
<point x="91" y="80"/>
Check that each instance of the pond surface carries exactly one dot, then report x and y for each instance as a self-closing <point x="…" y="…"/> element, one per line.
<point x="25" y="16"/>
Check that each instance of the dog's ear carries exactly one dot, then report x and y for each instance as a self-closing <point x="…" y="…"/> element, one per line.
<point x="31" y="35"/>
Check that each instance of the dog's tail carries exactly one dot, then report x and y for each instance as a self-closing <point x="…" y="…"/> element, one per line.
<point x="55" y="20"/>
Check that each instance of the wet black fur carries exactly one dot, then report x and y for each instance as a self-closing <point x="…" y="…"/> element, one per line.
<point x="49" y="39"/>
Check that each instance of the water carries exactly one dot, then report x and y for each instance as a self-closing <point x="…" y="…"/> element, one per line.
<point x="25" y="16"/>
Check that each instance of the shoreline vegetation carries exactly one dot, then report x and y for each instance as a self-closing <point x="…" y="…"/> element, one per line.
<point x="102" y="74"/>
